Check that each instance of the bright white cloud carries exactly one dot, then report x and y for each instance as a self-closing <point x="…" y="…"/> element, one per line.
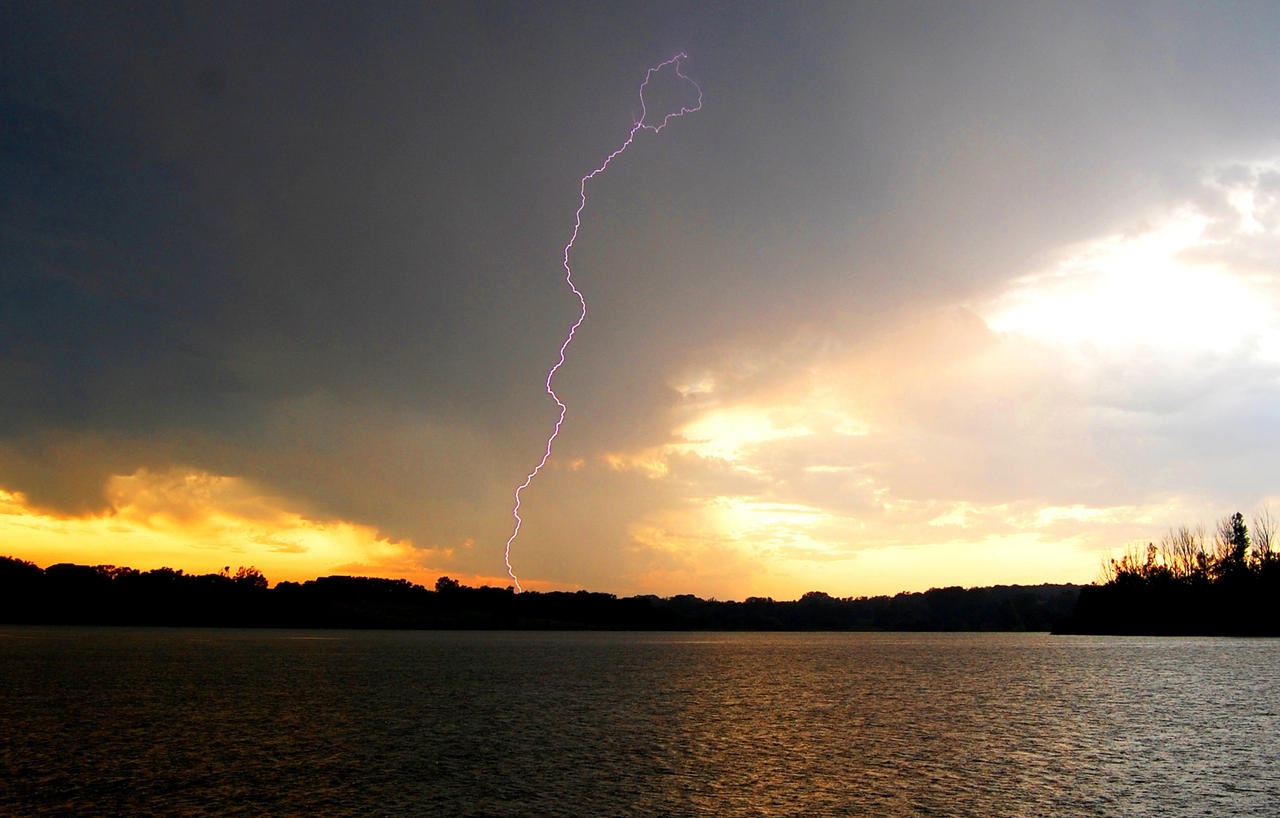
<point x="1145" y="289"/>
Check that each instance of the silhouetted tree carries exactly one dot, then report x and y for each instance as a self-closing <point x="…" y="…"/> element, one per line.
<point x="1264" y="535"/>
<point x="1182" y="588"/>
<point x="1232" y="545"/>
<point x="250" y="577"/>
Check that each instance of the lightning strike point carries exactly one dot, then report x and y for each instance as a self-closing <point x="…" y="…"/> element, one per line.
<point x="640" y="125"/>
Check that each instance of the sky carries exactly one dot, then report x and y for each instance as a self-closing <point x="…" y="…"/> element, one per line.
<point x="925" y="294"/>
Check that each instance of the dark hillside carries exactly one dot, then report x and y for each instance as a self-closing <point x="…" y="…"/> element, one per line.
<point x="106" y="595"/>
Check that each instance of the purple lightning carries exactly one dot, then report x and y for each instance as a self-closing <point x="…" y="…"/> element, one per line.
<point x="568" y="275"/>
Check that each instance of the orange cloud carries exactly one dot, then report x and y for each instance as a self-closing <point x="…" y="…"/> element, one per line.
<point x="201" y="522"/>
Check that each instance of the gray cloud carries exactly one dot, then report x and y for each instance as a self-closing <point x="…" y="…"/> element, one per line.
<point x="320" y="249"/>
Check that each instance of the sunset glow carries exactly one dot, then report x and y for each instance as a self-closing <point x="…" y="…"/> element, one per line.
<point x="204" y="523"/>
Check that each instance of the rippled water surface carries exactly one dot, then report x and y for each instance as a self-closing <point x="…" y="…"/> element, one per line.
<point x="137" y="721"/>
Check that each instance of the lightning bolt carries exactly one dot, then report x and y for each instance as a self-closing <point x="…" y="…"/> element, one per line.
<point x="568" y="274"/>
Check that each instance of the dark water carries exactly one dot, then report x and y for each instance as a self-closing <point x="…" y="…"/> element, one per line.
<point x="123" y="721"/>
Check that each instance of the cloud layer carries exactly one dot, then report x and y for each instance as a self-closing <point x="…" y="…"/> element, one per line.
<point x="925" y="294"/>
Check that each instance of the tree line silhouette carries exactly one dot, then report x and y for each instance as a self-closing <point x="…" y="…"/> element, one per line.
<point x="107" y="595"/>
<point x="1189" y="584"/>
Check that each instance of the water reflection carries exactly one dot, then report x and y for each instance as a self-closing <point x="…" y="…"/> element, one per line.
<point x="248" y="722"/>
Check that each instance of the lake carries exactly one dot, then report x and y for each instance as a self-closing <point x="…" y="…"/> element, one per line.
<point x="226" y="722"/>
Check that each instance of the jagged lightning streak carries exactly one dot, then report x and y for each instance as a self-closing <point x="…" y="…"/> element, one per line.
<point x="568" y="274"/>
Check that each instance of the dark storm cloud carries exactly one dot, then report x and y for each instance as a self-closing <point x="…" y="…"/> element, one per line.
<point x="223" y="225"/>
<point x="319" y="245"/>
